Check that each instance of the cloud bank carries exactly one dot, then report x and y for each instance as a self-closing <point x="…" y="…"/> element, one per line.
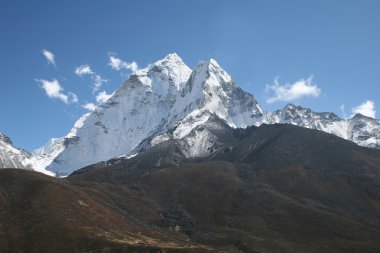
<point x="367" y="108"/>
<point x="288" y="92"/>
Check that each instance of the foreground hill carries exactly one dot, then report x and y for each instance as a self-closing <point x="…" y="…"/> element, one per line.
<point x="273" y="188"/>
<point x="43" y="214"/>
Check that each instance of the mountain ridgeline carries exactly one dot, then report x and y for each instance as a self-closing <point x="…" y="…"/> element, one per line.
<point x="169" y="95"/>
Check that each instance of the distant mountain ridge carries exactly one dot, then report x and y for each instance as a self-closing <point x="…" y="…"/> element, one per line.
<point x="169" y="95"/>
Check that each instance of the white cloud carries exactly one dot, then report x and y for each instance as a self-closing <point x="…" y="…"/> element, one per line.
<point x="89" y="106"/>
<point x="54" y="90"/>
<point x="297" y="90"/>
<point x="98" y="81"/>
<point x="49" y="56"/>
<point x="102" y="97"/>
<point x="83" y="70"/>
<point x="118" y="64"/>
<point x="367" y="108"/>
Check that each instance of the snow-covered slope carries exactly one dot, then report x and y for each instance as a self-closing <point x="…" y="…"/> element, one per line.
<point x="168" y="100"/>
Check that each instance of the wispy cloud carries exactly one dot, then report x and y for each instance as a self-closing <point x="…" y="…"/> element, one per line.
<point x="49" y="56"/>
<point x="89" y="106"/>
<point x="54" y="90"/>
<point x="343" y="111"/>
<point x="98" y="81"/>
<point x="73" y="98"/>
<point x="103" y="97"/>
<point x="288" y="92"/>
<point x="118" y="64"/>
<point x="367" y="108"/>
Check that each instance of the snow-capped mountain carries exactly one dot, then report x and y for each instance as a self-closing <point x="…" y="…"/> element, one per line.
<point x="167" y="100"/>
<point x="150" y="102"/>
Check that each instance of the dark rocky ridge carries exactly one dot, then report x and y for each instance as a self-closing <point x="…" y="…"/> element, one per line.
<point x="261" y="189"/>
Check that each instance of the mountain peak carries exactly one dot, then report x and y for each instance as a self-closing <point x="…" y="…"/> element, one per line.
<point x="291" y="106"/>
<point x="171" y="68"/>
<point x="171" y="59"/>
<point x="212" y="68"/>
<point x="212" y="61"/>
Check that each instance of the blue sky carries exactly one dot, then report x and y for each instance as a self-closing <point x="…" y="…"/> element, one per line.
<point x="259" y="43"/>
